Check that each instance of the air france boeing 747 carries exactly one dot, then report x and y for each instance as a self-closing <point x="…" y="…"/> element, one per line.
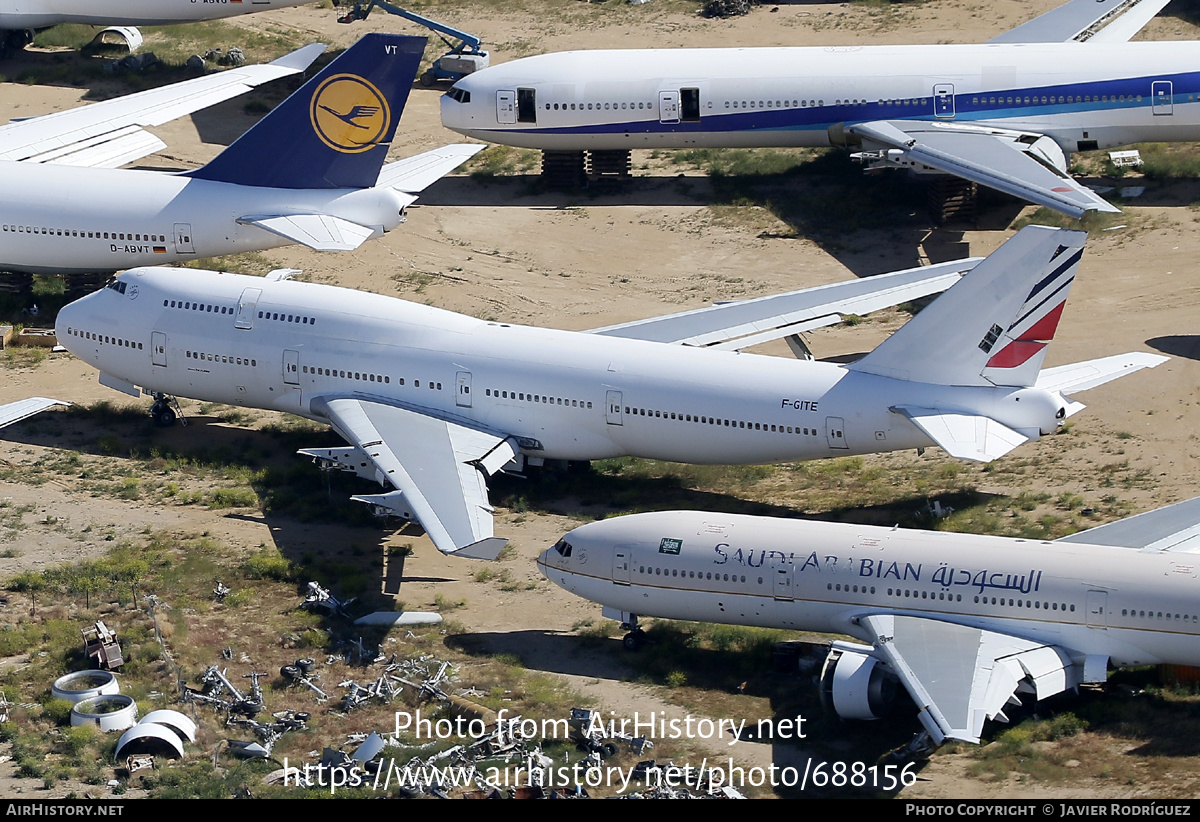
<point x="1005" y="114"/>
<point x="431" y="402"/>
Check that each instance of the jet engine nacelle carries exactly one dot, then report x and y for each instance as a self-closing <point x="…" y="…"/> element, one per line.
<point x="856" y="686"/>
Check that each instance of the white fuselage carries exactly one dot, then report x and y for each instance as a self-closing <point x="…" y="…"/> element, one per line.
<point x="1137" y="608"/>
<point x="60" y="219"/>
<point x="1083" y="95"/>
<point x="38" y="14"/>
<point x="564" y="395"/>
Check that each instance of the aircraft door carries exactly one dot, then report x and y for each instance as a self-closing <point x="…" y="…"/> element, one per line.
<point x="781" y="584"/>
<point x="613" y="415"/>
<point x="835" y="432"/>
<point x="1097" y="609"/>
<point x="506" y="108"/>
<point x="943" y="101"/>
<point x="183" y="238"/>
<point x="462" y="397"/>
<point x="668" y="107"/>
<point x="622" y="564"/>
<point x="158" y="348"/>
<point x="291" y="367"/>
<point x="1162" y="96"/>
<point x="526" y="105"/>
<point x="247" y="305"/>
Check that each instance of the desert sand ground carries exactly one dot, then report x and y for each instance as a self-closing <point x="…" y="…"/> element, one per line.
<point x="579" y="261"/>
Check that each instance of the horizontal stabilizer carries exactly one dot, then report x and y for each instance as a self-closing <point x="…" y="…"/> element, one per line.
<point x="1081" y="376"/>
<point x="109" y="134"/>
<point x="320" y="232"/>
<point x="415" y="174"/>
<point x="965" y="436"/>
<point x="749" y="322"/>
<point x="22" y="409"/>
<point x="1113" y="21"/>
<point x="1175" y="528"/>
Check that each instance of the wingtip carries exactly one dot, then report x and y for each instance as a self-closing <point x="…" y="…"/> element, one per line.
<point x="486" y="549"/>
<point x="301" y="58"/>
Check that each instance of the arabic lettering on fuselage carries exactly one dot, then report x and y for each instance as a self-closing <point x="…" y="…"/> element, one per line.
<point x="943" y="575"/>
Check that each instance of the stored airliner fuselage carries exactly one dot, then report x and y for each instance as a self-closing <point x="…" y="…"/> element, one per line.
<point x="1136" y="608"/>
<point x="147" y="217"/>
<point x="40" y="14"/>
<point x="564" y="395"/>
<point x="431" y="402"/>
<point x="1083" y="95"/>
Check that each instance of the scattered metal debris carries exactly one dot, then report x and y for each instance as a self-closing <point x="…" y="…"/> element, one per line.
<point x="319" y="597"/>
<point x="221" y="591"/>
<point x="302" y="673"/>
<point x="101" y="644"/>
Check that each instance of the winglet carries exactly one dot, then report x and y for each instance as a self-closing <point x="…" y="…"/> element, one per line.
<point x="336" y="130"/>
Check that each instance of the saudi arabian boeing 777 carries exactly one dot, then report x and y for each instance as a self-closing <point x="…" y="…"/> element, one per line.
<point x="310" y="172"/>
<point x="1005" y="114"/>
<point x="431" y="402"/>
<point x="967" y="624"/>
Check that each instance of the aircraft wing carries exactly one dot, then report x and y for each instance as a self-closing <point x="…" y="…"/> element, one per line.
<point x="415" y="174"/>
<point x="1113" y="21"/>
<point x="749" y="322"/>
<point x="110" y="133"/>
<point x="960" y="676"/>
<point x="322" y="232"/>
<point x="1175" y="528"/>
<point x="1022" y="164"/>
<point x="21" y="409"/>
<point x="437" y="467"/>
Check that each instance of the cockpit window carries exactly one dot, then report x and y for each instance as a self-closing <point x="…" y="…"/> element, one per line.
<point x="562" y="548"/>
<point x="117" y="286"/>
<point x="459" y="95"/>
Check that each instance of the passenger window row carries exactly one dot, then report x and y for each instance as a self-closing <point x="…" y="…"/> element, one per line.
<point x="103" y="338"/>
<point x="200" y="355"/>
<point x="754" y="426"/>
<point x="539" y="398"/>
<point x="87" y="235"/>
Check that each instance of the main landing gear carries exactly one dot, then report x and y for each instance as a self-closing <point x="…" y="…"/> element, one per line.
<point x="162" y="412"/>
<point x="636" y="637"/>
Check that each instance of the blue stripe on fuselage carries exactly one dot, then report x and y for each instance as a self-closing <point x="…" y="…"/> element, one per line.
<point x="968" y="107"/>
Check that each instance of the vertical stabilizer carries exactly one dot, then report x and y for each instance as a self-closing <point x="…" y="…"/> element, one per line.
<point x="992" y="327"/>
<point x="336" y="130"/>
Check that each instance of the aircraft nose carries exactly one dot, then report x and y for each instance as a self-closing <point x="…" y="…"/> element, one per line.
<point x="67" y="320"/>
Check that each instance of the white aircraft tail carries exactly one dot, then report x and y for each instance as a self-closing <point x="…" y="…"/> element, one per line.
<point x="993" y="326"/>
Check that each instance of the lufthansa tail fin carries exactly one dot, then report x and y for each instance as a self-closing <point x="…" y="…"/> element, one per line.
<point x="992" y="327"/>
<point x="336" y="130"/>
